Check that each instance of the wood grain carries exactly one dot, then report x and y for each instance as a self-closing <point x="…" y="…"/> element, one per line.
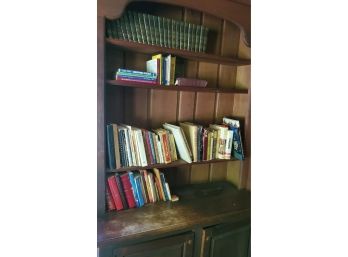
<point x="163" y="108"/>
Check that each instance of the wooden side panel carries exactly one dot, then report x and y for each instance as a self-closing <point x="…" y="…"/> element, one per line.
<point x="199" y="173"/>
<point x="186" y="105"/>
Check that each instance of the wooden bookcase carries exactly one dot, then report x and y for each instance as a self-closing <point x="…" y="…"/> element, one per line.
<point x="226" y="67"/>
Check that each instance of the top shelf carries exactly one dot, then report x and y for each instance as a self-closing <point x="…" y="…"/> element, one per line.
<point x="197" y="56"/>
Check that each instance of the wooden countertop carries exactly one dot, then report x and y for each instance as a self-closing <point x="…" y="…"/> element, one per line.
<point x="201" y="204"/>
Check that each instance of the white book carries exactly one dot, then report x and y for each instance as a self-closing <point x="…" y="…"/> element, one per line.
<point x="168" y="190"/>
<point x="168" y="67"/>
<point x="136" y="147"/>
<point x="228" y="149"/>
<point x="180" y="142"/>
<point x="159" y="147"/>
<point x="131" y="143"/>
<point x="221" y="140"/>
<point x="143" y="160"/>
<point x="228" y="121"/>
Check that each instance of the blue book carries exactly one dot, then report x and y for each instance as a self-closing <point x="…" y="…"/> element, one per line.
<point x="110" y="146"/>
<point x="136" y="78"/>
<point x="139" y="190"/>
<point x="134" y="188"/>
<point x="237" y="147"/>
<point x="164" y="73"/>
<point x="134" y="72"/>
<point x="163" y="181"/>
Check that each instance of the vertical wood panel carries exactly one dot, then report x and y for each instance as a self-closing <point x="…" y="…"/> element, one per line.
<point x="186" y="106"/>
<point x="204" y="112"/>
<point x="163" y="107"/>
<point x="136" y="101"/>
<point x="218" y="171"/>
<point x="199" y="173"/>
<point x="224" y="106"/>
<point x="234" y="172"/>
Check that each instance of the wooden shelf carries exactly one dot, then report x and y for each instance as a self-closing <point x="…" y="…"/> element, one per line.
<point x="176" y="88"/>
<point x="196" y="56"/>
<point x="200" y="204"/>
<point x="177" y="163"/>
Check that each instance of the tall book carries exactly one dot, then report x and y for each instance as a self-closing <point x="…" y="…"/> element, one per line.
<point x="159" y="184"/>
<point x="110" y="146"/>
<point x="234" y="125"/>
<point x="138" y="190"/>
<point x="121" y="191"/>
<point x="134" y="188"/>
<point x="160" y="57"/>
<point x="154" y="66"/>
<point x="222" y="136"/>
<point x="128" y="191"/>
<point x="109" y="201"/>
<point x="115" y="194"/>
<point x="180" y="142"/>
<point x="191" y="131"/>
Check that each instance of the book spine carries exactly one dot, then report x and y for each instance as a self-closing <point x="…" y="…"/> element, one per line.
<point x="182" y="35"/>
<point x="146" y="28"/>
<point x="135" y="78"/>
<point x="189" y="36"/>
<point x="143" y="189"/>
<point x="141" y="23"/>
<point x="205" y="39"/>
<point x="147" y="147"/>
<point x="160" y="148"/>
<point x="110" y="146"/>
<point x="144" y="161"/>
<point x="109" y="201"/>
<point x="153" y="186"/>
<point x="122" y="27"/>
<point x="186" y="36"/>
<point x="164" y="31"/>
<point x="138" y="80"/>
<point x="108" y="29"/>
<point x="169" y="33"/>
<point x="163" y="184"/>
<point x="133" y="28"/>
<point x="173" y="33"/>
<point x="205" y="144"/>
<point x="138" y="190"/>
<point x="159" y="189"/>
<point x="152" y="146"/>
<point x="116" y="146"/>
<point x="199" y="158"/>
<point x="135" y="72"/>
<point x="168" y="191"/>
<point x="193" y="37"/>
<point x="121" y="191"/>
<point x="177" y="34"/>
<point x="154" y="141"/>
<point x="115" y="193"/>
<point x="229" y="140"/>
<point x="172" y="70"/>
<point x="201" y="34"/>
<point x="134" y="188"/>
<point x="123" y="150"/>
<point x="127" y="188"/>
<point x="160" y="30"/>
<point x="198" y="34"/>
<point x="148" y="187"/>
<point x="117" y="27"/>
<point x="166" y="151"/>
<point x="129" y="32"/>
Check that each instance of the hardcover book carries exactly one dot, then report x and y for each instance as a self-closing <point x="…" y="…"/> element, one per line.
<point x="234" y="125"/>
<point x="128" y="191"/>
<point x="121" y="191"/>
<point x="115" y="194"/>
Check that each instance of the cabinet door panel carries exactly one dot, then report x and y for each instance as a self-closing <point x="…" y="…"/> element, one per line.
<point x="175" y="246"/>
<point x="227" y="241"/>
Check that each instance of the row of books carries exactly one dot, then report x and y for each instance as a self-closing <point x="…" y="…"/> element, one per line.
<point x="134" y="189"/>
<point x="155" y="30"/>
<point x="159" y="70"/>
<point x="129" y="146"/>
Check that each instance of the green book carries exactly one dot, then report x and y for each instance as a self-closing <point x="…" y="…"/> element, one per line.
<point x="159" y="30"/>
<point x="139" y="20"/>
<point x="177" y="34"/>
<point x="164" y="31"/>
<point x="189" y="38"/>
<point x="156" y="29"/>
<point x="182" y="35"/>
<point x="193" y="37"/>
<point x="108" y="29"/>
<point x="198" y="33"/>
<point x="127" y="27"/>
<point x="117" y="27"/>
<point x="205" y="39"/>
<point x="186" y="37"/>
<point x="146" y="28"/>
<point x="201" y="35"/>
<point x="169" y="32"/>
<point x="134" y="30"/>
<point x="173" y="22"/>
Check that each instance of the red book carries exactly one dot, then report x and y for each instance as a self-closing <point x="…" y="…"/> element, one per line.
<point x="109" y="201"/>
<point x="127" y="188"/>
<point x="147" y="147"/>
<point x="115" y="193"/>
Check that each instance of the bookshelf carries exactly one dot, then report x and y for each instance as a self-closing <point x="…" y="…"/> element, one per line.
<point x="226" y="67"/>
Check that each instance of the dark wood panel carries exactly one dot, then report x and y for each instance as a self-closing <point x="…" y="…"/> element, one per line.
<point x="200" y="173"/>
<point x="151" y="49"/>
<point x="204" y="112"/>
<point x="136" y="107"/>
<point x="227" y="240"/>
<point x="174" y="246"/>
<point x="224" y="106"/>
<point x="225" y="202"/>
<point x="186" y="105"/>
<point x="162" y="108"/>
<point x="218" y="171"/>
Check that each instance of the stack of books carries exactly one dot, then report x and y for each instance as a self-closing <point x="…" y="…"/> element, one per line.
<point x="136" y="76"/>
<point x="134" y="189"/>
<point x="164" y="66"/>
<point x="155" y="30"/>
<point x="128" y="146"/>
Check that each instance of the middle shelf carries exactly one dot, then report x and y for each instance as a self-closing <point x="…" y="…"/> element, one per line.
<point x="131" y="84"/>
<point x="173" y="164"/>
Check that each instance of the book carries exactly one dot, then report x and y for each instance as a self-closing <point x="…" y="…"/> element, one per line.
<point x="136" y="73"/>
<point x="164" y="142"/>
<point x="140" y="79"/>
<point x="134" y="188"/>
<point x="159" y="184"/>
<point x="147" y="146"/>
<point x="168" y="191"/>
<point x="163" y="184"/>
<point x="180" y="142"/>
<point x="153" y="186"/>
<point x="130" y="144"/>
<point x="147" y="30"/>
<point x="153" y="66"/>
<point x="190" y="131"/>
<point x="122" y="145"/>
<point x="128" y="191"/>
<point x="199" y="142"/>
<point x="147" y="186"/>
<point x="110" y="147"/>
<point x="205" y="144"/>
<point x="222" y="134"/>
<point x="115" y="194"/>
<point x="173" y="154"/>
<point x="138" y="190"/>
<point x="116" y="146"/>
<point x="143" y="188"/>
<point x="189" y="82"/>
<point x="121" y="191"/>
<point x="150" y="82"/>
<point x="109" y="201"/>
<point x="160" y="57"/>
<point x="234" y="125"/>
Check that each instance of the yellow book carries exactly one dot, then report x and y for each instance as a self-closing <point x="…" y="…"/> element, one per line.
<point x="209" y="146"/>
<point x="190" y="131"/>
<point x="159" y="56"/>
<point x="158" y="181"/>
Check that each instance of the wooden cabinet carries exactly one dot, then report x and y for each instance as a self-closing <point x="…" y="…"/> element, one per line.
<point x="175" y="246"/>
<point x="227" y="241"/>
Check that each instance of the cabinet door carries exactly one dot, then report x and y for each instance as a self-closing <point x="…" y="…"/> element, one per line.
<point x="227" y="240"/>
<point x="175" y="246"/>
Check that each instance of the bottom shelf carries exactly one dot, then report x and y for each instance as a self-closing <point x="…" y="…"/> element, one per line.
<point x="177" y="163"/>
<point x="200" y="204"/>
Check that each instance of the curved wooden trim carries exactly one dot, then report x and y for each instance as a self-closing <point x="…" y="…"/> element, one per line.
<point x="228" y="10"/>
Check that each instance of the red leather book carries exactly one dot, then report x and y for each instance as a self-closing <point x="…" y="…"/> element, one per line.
<point x="115" y="193"/>
<point x="109" y="201"/>
<point x="127" y="188"/>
